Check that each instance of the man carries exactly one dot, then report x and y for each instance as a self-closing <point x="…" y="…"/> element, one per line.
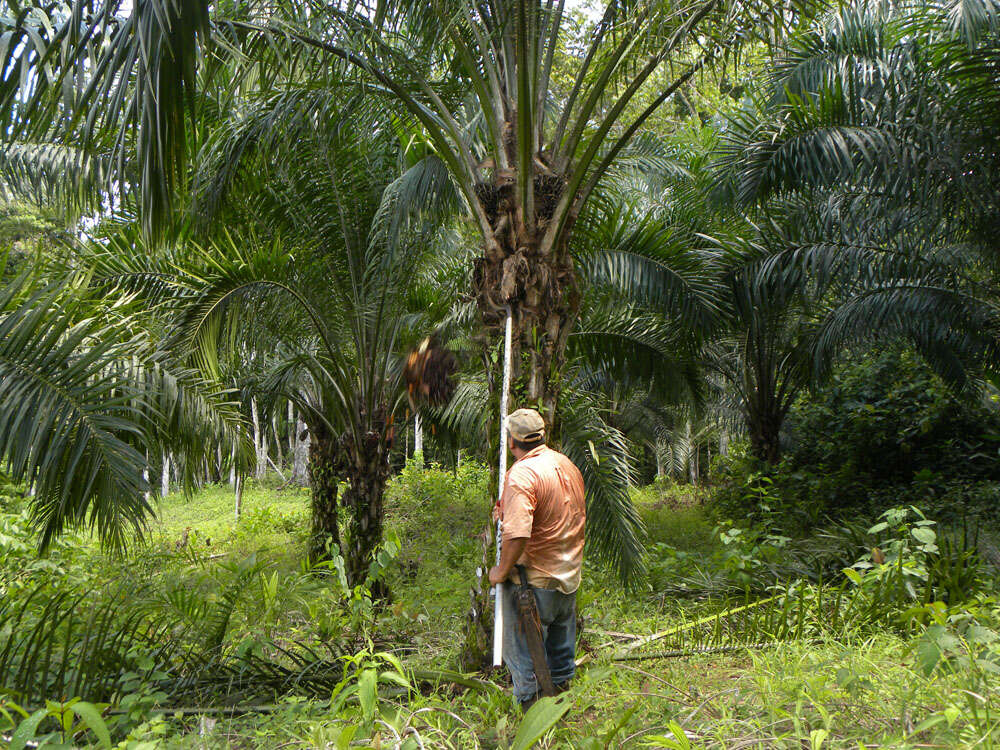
<point x="543" y="511"/>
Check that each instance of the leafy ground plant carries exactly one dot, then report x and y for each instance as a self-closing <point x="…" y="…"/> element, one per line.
<point x="305" y="662"/>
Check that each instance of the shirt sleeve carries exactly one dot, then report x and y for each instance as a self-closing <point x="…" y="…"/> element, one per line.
<point x="518" y="505"/>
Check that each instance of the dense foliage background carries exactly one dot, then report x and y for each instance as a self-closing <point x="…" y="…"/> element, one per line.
<point x="258" y="262"/>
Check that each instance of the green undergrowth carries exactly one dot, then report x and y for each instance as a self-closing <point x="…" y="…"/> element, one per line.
<point x="214" y="634"/>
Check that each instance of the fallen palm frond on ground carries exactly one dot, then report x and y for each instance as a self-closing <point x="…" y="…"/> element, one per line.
<point x="801" y="612"/>
<point x="100" y="644"/>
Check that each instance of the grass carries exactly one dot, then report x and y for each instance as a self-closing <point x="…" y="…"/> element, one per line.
<point x="212" y="511"/>
<point x="855" y="690"/>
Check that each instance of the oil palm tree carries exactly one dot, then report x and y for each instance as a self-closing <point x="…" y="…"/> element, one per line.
<point x="312" y="287"/>
<point x="524" y="117"/>
<point x="863" y="178"/>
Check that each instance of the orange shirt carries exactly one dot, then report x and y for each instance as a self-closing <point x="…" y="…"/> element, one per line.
<point x="543" y="500"/>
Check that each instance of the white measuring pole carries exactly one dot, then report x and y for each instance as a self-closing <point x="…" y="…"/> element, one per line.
<point x="504" y="392"/>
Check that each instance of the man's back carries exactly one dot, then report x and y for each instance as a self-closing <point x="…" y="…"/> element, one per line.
<point x="544" y="501"/>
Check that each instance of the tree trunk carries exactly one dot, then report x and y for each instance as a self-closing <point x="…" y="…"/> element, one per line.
<point x="765" y="436"/>
<point x="278" y="453"/>
<point x="692" y="451"/>
<point x="367" y="468"/>
<point x="661" y="469"/>
<point x="259" y="441"/>
<point x="723" y="442"/>
<point x="145" y="478"/>
<point x="300" y="473"/>
<point x="418" y="440"/>
<point x="324" y="538"/>
<point x="365" y="498"/>
<point x="238" y="509"/>
<point x="165" y="476"/>
<point x="291" y="431"/>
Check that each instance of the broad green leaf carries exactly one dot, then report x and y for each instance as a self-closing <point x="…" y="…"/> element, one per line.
<point x="367" y="692"/>
<point x="924" y="535"/>
<point x="853" y="575"/>
<point x="90" y="716"/>
<point x="928" y="723"/>
<point x="26" y="730"/>
<point x="392" y="659"/>
<point x="395" y="678"/>
<point x="817" y="737"/>
<point x="539" y="719"/>
<point x="345" y="736"/>
<point x="927" y="656"/>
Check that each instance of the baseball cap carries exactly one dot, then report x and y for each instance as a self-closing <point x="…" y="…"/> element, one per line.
<point x="526" y="425"/>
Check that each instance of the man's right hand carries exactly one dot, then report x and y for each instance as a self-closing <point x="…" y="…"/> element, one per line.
<point x="496" y="576"/>
<point x="496" y="513"/>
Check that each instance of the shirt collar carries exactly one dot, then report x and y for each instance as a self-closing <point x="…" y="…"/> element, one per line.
<point x="534" y="452"/>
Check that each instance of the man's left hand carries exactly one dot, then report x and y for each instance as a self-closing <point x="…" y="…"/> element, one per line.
<point x="496" y="576"/>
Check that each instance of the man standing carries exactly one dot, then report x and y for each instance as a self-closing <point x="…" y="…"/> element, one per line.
<point x="543" y="511"/>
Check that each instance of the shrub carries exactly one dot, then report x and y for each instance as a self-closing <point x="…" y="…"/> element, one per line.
<point x="889" y="417"/>
<point x="885" y="431"/>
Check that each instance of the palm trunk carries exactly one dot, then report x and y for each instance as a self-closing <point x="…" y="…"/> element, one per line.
<point x="324" y="538"/>
<point x="365" y="498"/>
<point x="764" y="420"/>
<point x="259" y="441"/>
<point x="765" y="437"/>
<point x="300" y="456"/>
<point x="165" y="476"/>
<point x="368" y="471"/>
<point x="418" y="440"/>
<point x="238" y="505"/>
<point x="275" y="433"/>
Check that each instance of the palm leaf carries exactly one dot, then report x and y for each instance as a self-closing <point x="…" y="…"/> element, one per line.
<point x="615" y="531"/>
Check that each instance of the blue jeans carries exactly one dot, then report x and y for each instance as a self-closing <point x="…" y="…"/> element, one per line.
<point x="557" y="611"/>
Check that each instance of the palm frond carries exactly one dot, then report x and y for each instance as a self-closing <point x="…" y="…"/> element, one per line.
<point x="51" y="174"/>
<point x="109" y="79"/>
<point x="650" y="262"/>
<point x="72" y="415"/>
<point x="615" y="531"/>
<point x="86" y="397"/>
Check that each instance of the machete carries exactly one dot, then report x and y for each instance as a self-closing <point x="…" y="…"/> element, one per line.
<point x="531" y="625"/>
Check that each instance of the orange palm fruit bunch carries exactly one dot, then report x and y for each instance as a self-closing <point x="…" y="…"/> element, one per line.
<point x="428" y="372"/>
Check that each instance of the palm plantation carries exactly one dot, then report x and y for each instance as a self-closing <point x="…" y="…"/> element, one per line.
<point x="748" y="255"/>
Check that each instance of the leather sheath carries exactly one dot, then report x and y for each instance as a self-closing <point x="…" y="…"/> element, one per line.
<point x="531" y="625"/>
